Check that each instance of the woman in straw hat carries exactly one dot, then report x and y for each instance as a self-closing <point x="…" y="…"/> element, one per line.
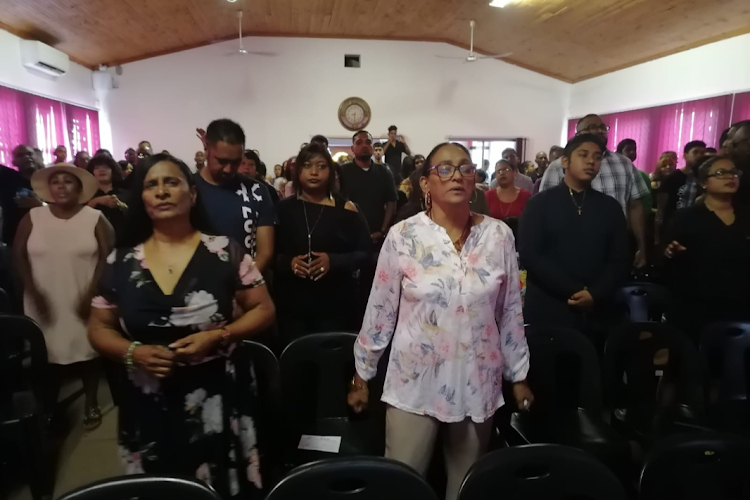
<point x="61" y="249"/>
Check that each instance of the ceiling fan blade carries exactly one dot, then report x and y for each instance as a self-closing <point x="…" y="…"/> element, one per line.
<point x="264" y="54"/>
<point x="451" y="57"/>
<point x="499" y="56"/>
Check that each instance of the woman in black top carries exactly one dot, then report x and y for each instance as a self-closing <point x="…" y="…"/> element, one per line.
<point x="110" y="198"/>
<point x="709" y="253"/>
<point x="321" y="240"/>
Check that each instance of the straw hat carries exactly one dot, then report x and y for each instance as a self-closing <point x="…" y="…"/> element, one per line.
<point x="40" y="181"/>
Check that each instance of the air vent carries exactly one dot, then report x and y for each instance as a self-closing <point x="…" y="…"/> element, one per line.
<point x="352" y="61"/>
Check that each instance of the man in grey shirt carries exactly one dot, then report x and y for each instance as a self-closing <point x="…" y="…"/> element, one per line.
<point x="522" y="181"/>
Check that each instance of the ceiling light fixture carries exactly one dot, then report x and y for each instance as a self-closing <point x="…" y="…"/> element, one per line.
<point x="500" y="3"/>
<point x="231" y="1"/>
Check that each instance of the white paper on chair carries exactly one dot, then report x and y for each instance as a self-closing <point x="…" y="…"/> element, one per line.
<point x="329" y="444"/>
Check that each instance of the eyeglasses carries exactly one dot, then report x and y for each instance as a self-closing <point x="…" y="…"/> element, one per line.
<point x="446" y="170"/>
<point x="726" y="174"/>
<point x="592" y="129"/>
<point x="504" y="170"/>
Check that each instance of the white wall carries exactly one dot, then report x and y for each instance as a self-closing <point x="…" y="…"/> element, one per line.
<point x="75" y="87"/>
<point x="715" y="69"/>
<point x="282" y="101"/>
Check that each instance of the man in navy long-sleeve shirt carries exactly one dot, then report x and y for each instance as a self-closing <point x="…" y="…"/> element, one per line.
<point x="573" y="243"/>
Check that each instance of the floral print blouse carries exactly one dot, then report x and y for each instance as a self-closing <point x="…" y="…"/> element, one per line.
<point x="201" y="420"/>
<point x="456" y="320"/>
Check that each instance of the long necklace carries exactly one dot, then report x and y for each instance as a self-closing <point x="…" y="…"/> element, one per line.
<point x="310" y="231"/>
<point x="579" y="207"/>
<point x="504" y="214"/>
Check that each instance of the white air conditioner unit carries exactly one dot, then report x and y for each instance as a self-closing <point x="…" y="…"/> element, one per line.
<point x="41" y="57"/>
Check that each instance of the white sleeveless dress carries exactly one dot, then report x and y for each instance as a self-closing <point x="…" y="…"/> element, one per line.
<point x="63" y="256"/>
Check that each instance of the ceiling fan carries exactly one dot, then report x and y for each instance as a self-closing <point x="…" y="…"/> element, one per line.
<point x="472" y="57"/>
<point x="242" y="51"/>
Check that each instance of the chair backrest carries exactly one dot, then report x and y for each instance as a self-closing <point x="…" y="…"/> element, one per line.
<point x="144" y="486"/>
<point x="268" y="387"/>
<point x="315" y="375"/>
<point x="5" y="304"/>
<point x="540" y="471"/>
<point x="21" y="339"/>
<point x="564" y="369"/>
<point x="353" y="478"/>
<point x="643" y="301"/>
<point x="697" y="466"/>
<point x="637" y="356"/>
<point x="725" y="350"/>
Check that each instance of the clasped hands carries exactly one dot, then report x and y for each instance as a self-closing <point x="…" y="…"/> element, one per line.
<point x="159" y="360"/>
<point x="315" y="269"/>
<point x="582" y="300"/>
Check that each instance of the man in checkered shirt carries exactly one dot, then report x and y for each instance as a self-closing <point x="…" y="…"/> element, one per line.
<point x="617" y="178"/>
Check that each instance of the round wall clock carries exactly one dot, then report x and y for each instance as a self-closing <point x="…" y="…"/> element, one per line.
<point x="354" y="114"/>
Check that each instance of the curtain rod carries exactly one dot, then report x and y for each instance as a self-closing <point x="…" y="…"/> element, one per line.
<point x="25" y="91"/>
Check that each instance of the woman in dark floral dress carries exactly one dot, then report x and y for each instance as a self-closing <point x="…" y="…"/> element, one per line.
<point x="165" y="308"/>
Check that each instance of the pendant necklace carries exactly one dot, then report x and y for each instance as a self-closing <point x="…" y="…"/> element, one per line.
<point x="310" y="231"/>
<point x="579" y="207"/>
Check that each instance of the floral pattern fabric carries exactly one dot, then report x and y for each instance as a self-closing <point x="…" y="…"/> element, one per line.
<point x="200" y="420"/>
<point x="455" y="319"/>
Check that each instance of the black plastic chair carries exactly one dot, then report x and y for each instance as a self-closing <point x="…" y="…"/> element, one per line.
<point x="653" y="381"/>
<point x="566" y="383"/>
<point x="643" y="301"/>
<point x="725" y="348"/>
<point x="697" y="467"/>
<point x="144" y="486"/>
<point x="540" y="471"/>
<point x="5" y="304"/>
<point x="316" y="371"/>
<point x="23" y="381"/>
<point x="268" y="386"/>
<point x="354" y="478"/>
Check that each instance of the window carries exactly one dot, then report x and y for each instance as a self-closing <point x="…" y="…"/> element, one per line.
<point x="487" y="152"/>
<point x="44" y="123"/>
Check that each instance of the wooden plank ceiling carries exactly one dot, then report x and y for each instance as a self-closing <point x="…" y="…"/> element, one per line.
<point x="568" y="39"/>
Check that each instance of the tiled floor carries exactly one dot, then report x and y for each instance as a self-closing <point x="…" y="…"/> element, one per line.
<point x="82" y="457"/>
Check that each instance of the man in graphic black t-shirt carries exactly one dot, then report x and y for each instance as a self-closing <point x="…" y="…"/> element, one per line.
<point x="235" y="205"/>
<point x="395" y="148"/>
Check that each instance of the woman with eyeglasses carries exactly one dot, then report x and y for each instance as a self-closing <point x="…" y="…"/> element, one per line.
<point x="321" y="240"/>
<point x="446" y="293"/>
<point x="709" y="253"/>
<point x="506" y="200"/>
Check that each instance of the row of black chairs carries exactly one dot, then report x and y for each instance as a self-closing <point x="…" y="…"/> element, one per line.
<point x="706" y="466"/>
<point x="651" y="373"/>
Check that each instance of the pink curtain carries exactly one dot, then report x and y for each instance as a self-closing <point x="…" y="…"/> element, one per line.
<point x="82" y="128"/>
<point x="741" y="107"/>
<point x="12" y="124"/>
<point x="668" y="128"/>
<point x="46" y="125"/>
<point x="571" y="129"/>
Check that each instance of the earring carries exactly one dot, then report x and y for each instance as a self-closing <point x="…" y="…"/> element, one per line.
<point x="428" y="201"/>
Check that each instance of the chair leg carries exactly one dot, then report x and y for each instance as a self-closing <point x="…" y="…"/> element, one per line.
<point x="32" y="444"/>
